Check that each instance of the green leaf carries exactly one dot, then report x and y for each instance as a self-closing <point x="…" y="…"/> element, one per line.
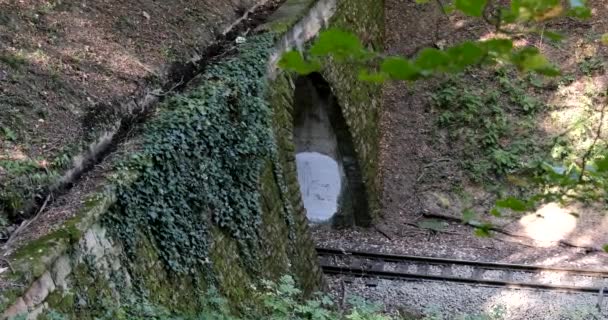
<point x="483" y="231"/>
<point x="605" y="247"/>
<point x="465" y="54"/>
<point x="579" y="9"/>
<point x="513" y="204"/>
<point x="471" y="7"/>
<point x="374" y="77"/>
<point x="430" y="60"/>
<point x="554" y="36"/>
<point x="293" y="61"/>
<point x="339" y="43"/>
<point x="399" y="68"/>
<point x="500" y="48"/>
<point x="9" y="134"/>
<point x="495" y="212"/>
<point x="602" y="165"/>
<point x="530" y="59"/>
<point x="604" y="39"/>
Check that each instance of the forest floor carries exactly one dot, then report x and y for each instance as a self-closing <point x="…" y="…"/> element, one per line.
<point x="72" y="70"/>
<point x="69" y="69"/>
<point x="452" y="145"/>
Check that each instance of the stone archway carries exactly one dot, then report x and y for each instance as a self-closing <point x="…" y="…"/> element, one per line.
<point x="328" y="168"/>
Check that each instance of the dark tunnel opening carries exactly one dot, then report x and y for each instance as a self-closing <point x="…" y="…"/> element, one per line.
<point x="328" y="168"/>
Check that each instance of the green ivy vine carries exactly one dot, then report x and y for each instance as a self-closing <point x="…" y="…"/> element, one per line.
<point x="200" y="164"/>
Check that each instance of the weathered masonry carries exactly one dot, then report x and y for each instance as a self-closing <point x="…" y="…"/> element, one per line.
<point x="208" y="195"/>
<point x="328" y="168"/>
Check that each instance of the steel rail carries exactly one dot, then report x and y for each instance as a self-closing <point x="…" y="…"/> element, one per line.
<point x="480" y="264"/>
<point x="394" y="275"/>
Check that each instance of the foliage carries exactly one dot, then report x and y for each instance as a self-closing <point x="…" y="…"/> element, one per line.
<point x="200" y="164"/>
<point x="277" y="301"/>
<point x="22" y="180"/>
<point x="591" y="65"/>
<point x="516" y="18"/>
<point x="489" y="125"/>
<point x="581" y="179"/>
<point x="497" y="313"/>
<point x="14" y="60"/>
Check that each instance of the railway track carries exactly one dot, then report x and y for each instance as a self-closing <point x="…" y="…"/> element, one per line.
<point x="403" y="267"/>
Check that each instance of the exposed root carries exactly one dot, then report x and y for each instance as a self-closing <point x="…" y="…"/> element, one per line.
<point x="562" y="243"/>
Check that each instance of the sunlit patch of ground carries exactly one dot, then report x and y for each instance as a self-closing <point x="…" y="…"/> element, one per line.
<point x="553" y="225"/>
<point x="549" y="224"/>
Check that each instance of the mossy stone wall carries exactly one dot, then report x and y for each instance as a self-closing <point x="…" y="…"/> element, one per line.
<point x="360" y="101"/>
<point x="84" y="270"/>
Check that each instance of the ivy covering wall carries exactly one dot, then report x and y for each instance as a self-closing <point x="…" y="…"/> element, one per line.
<point x="209" y="198"/>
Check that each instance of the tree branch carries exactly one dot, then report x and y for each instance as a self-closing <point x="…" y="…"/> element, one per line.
<point x="598" y="134"/>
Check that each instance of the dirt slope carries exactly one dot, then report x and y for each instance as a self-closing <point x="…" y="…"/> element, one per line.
<point x="69" y="67"/>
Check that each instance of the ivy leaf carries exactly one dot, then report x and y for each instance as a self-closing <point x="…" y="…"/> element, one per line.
<point x="399" y="68"/>
<point x="513" y="204"/>
<point x="472" y="8"/>
<point x="605" y="247"/>
<point x="294" y="61"/>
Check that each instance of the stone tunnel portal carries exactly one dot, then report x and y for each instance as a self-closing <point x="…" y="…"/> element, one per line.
<point x="328" y="170"/>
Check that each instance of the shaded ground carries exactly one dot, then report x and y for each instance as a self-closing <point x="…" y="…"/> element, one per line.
<point x="439" y="163"/>
<point x="68" y="68"/>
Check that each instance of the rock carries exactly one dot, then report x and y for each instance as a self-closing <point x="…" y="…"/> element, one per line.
<point x="61" y="270"/>
<point x="442" y="200"/>
<point x="33" y="315"/>
<point x="19" y="307"/>
<point x="39" y="290"/>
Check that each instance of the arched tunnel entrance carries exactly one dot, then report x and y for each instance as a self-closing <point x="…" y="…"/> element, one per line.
<point x="328" y="169"/>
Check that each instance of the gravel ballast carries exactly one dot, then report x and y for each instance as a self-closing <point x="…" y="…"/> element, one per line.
<point x="455" y="300"/>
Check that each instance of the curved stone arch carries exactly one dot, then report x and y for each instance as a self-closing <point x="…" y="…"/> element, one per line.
<point x="325" y="151"/>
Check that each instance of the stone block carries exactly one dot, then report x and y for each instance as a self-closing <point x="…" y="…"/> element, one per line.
<point x="39" y="290"/>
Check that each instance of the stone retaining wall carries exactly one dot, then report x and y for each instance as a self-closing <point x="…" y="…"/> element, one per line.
<point x="80" y="270"/>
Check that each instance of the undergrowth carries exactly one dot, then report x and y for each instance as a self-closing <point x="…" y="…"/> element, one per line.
<point x="493" y="128"/>
<point x="26" y="181"/>
<point x="200" y="164"/>
<point x="280" y="300"/>
<point x="22" y="181"/>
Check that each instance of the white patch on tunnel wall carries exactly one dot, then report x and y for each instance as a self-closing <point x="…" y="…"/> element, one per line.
<point x="320" y="184"/>
<point x="318" y="161"/>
